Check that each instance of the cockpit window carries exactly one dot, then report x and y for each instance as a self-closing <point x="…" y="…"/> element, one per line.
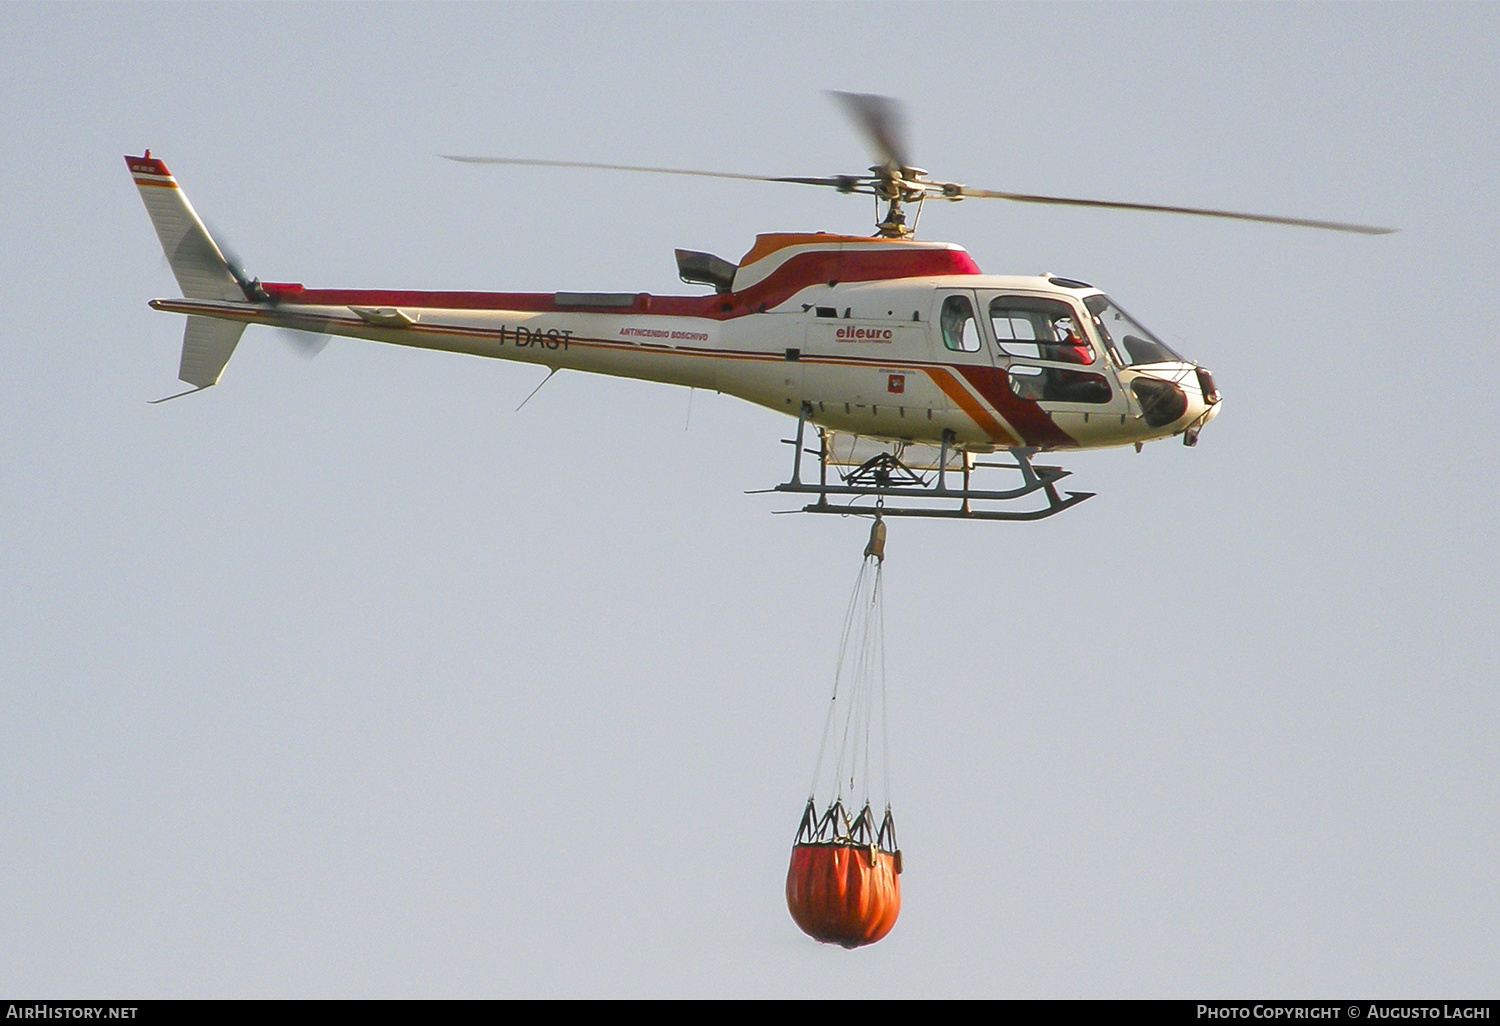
<point x="960" y="332"/>
<point x="1046" y="331"/>
<point x="1130" y="343"/>
<point x="1039" y="329"/>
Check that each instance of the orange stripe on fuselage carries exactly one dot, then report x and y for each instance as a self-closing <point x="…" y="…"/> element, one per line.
<point x="767" y="244"/>
<point x="954" y="389"/>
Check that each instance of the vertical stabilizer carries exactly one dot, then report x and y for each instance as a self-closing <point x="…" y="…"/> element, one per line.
<point x="207" y="345"/>
<point x="200" y="268"/>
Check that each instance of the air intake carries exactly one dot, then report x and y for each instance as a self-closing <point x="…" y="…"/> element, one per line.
<point x="705" y="269"/>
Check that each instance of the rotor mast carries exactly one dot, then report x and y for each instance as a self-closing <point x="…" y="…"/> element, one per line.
<point x="896" y="186"/>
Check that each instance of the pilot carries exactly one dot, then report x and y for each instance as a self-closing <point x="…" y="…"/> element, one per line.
<point x="1073" y="348"/>
<point x="1071" y="385"/>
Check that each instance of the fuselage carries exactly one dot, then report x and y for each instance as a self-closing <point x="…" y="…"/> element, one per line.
<point x="888" y="339"/>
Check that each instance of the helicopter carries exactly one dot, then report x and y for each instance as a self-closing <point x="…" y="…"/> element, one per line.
<point x="918" y="372"/>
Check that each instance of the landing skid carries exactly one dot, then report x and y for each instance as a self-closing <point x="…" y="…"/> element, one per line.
<point x="884" y="486"/>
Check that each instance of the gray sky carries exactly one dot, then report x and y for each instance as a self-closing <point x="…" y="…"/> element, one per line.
<point x="345" y="678"/>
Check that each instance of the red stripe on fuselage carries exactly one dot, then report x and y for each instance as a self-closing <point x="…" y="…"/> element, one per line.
<point x="526" y="302"/>
<point x="825" y="267"/>
<point x="792" y="277"/>
<point x="1034" y="424"/>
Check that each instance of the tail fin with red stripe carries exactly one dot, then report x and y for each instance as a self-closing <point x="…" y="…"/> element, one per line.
<point x="199" y="265"/>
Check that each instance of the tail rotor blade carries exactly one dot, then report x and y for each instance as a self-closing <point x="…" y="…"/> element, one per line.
<point x="248" y="285"/>
<point x="306" y="344"/>
<point x="231" y="257"/>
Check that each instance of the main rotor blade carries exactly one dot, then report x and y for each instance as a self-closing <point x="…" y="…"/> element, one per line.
<point x="837" y="181"/>
<point x="1302" y="222"/>
<point x="883" y="123"/>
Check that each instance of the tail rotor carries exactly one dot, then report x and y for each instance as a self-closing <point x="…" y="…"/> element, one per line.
<point x="306" y="341"/>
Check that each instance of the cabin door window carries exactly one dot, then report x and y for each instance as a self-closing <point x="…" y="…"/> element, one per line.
<point x="958" y="329"/>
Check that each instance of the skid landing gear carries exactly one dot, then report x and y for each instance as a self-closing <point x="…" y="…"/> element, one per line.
<point x="885" y="486"/>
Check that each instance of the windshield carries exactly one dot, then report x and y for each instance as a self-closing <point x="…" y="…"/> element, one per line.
<point x="1131" y="343"/>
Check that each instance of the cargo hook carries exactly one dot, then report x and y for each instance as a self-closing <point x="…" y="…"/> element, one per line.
<point x="876" y="545"/>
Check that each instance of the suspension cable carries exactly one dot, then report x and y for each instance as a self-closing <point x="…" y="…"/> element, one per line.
<point x="860" y="680"/>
